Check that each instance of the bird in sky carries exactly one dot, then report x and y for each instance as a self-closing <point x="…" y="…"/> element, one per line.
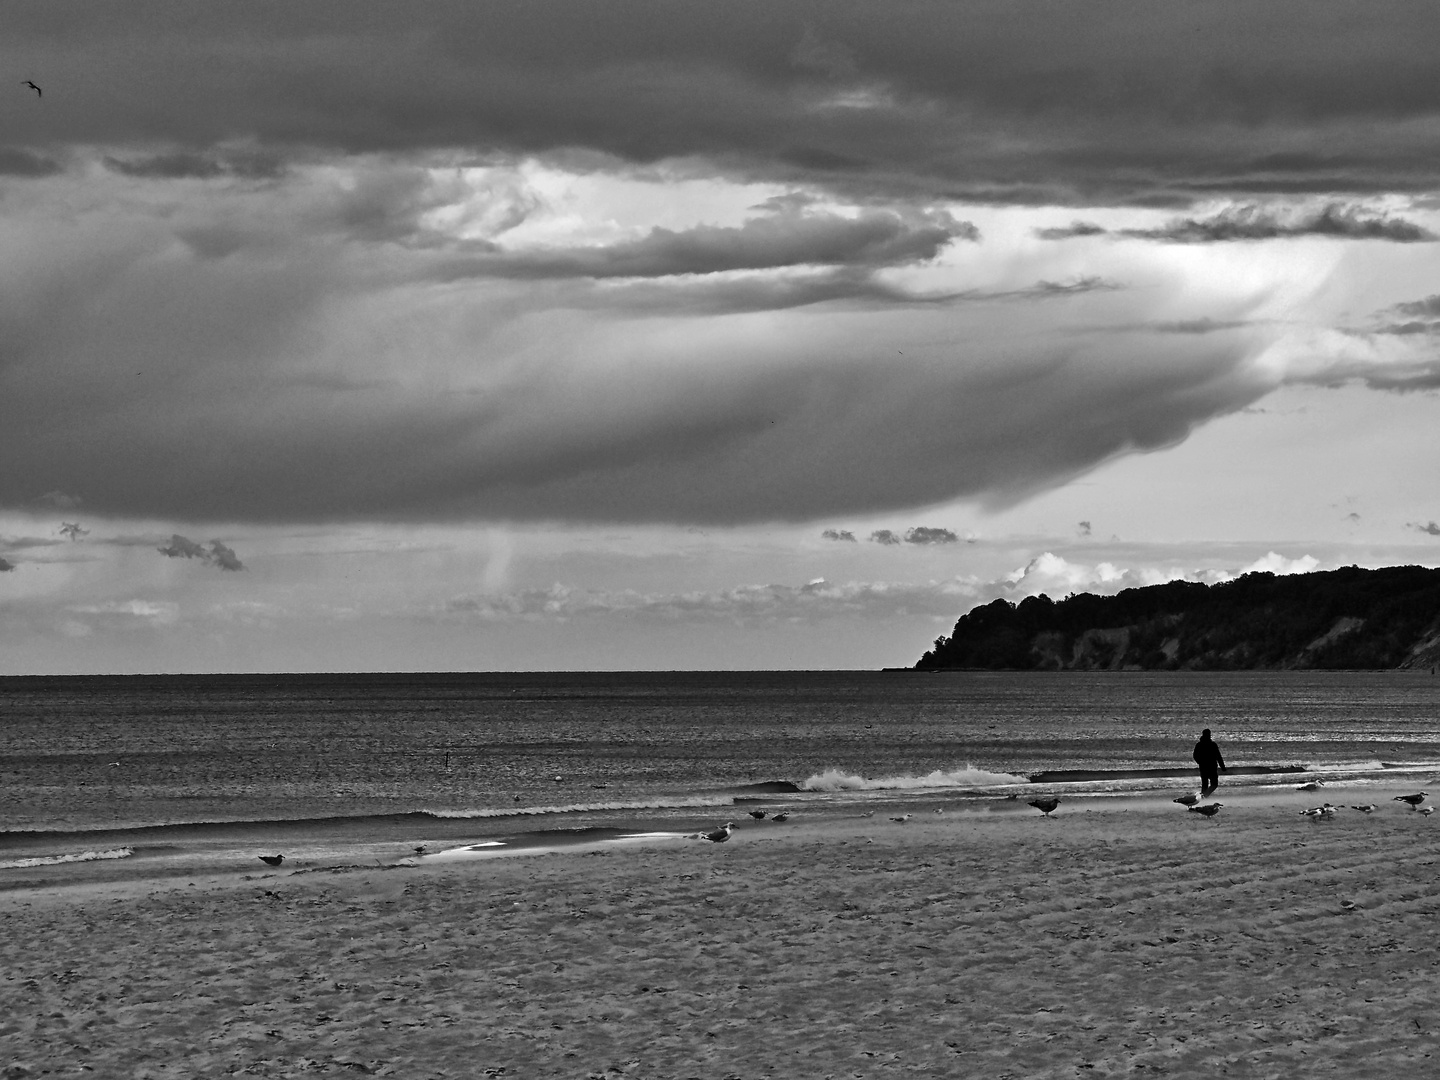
<point x="272" y="860"/>
<point x="1046" y="806"/>
<point x="1414" y="800"/>
<point x="34" y="87"/>
<point x="1209" y="810"/>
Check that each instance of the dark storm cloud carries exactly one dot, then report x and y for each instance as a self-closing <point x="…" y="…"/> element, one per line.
<point x="1033" y="101"/>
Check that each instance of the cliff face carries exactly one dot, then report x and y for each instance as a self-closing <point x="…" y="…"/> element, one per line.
<point x="1338" y="619"/>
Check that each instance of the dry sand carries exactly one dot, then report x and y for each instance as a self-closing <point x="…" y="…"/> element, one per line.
<point x="1114" y="940"/>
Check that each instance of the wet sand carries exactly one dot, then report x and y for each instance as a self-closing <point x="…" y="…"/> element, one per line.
<point x="1120" y="938"/>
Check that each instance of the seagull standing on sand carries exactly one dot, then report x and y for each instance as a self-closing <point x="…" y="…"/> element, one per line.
<point x="1208" y="810"/>
<point x="720" y="835"/>
<point x="780" y="817"/>
<point x="272" y="860"/>
<point x="1368" y="808"/>
<point x="1047" y="805"/>
<point x="1414" y="800"/>
<point x="901" y="819"/>
<point x="758" y="815"/>
<point x="1187" y="800"/>
<point x="1426" y="810"/>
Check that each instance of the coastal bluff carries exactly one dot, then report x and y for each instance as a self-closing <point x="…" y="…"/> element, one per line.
<point x="1346" y="619"/>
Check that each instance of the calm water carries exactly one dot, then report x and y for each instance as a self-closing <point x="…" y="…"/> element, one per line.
<point x="89" y="753"/>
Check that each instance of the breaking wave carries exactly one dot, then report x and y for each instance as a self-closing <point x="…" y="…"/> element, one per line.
<point x="56" y="860"/>
<point x="838" y="780"/>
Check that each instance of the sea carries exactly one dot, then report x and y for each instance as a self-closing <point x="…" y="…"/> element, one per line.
<point x="96" y="768"/>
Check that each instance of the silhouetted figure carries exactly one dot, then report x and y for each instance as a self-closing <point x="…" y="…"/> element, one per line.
<point x="1207" y="756"/>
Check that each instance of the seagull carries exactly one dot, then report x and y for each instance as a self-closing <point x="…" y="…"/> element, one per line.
<point x="1187" y="800"/>
<point x="781" y="817"/>
<point x="1314" y="785"/>
<point x="34" y="87"/>
<point x="272" y="860"/>
<point x="868" y="813"/>
<point x="757" y="814"/>
<point x="1427" y="810"/>
<point x="1209" y="809"/>
<point x="420" y="850"/>
<point x="720" y="835"/>
<point x="1366" y="809"/>
<point x="902" y="818"/>
<point x="1318" y="812"/>
<point x="1046" y="805"/>
<point x="1414" y="800"/>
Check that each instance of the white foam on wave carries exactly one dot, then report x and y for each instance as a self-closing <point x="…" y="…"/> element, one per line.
<point x="496" y="849"/>
<point x="56" y="860"/>
<point x="967" y="777"/>
<point x="581" y="808"/>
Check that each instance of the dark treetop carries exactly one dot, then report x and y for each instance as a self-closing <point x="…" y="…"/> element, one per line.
<point x="1339" y="619"/>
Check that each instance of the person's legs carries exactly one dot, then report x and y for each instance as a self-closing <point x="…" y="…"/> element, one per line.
<point x="1209" y="780"/>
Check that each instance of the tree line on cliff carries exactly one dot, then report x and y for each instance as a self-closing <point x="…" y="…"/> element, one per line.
<point x="1339" y="619"/>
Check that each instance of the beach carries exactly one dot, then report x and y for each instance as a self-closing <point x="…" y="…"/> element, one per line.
<point x="1122" y="937"/>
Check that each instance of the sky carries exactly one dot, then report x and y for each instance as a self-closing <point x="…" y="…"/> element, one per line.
<point x="556" y="334"/>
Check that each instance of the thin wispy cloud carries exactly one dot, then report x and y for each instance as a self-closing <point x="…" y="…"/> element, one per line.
<point x="1260" y="222"/>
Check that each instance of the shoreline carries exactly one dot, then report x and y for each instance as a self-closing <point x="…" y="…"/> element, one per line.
<point x="1110" y="940"/>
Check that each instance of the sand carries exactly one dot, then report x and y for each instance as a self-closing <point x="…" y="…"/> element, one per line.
<point x="1116" y="939"/>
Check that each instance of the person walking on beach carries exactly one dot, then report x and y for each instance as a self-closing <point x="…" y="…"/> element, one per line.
<point x="1207" y="756"/>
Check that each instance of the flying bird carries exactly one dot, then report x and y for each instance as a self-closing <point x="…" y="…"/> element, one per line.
<point x="34" y="87"/>
<point x="1187" y="800"/>
<point x="1046" y="806"/>
<point x="272" y="860"/>
<point x="720" y="835"/>
<point x="757" y="814"/>
<point x="1208" y="810"/>
<point x="1414" y="800"/>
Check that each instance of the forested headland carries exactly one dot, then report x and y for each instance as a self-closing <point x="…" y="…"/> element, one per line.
<point x="1347" y="619"/>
